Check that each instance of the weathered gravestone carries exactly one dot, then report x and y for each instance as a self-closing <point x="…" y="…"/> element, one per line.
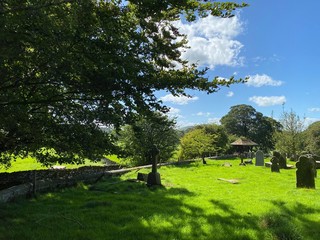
<point x="281" y="159"/>
<point x="305" y="172"/>
<point x="154" y="176"/>
<point x="275" y="164"/>
<point x="259" y="158"/>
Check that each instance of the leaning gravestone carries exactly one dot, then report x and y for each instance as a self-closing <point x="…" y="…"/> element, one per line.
<point x="259" y="158"/>
<point x="305" y="172"/>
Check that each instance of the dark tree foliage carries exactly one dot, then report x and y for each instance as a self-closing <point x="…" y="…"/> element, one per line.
<point x="136" y="140"/>
<point x="70" y="66"/>
<point x="311" y="138"/>
<point x="244" y="121"/>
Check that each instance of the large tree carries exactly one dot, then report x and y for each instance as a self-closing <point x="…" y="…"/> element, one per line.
<point x="69" y="66"/>
<point x="136" y="140"/>
<point x="244" y="121"/>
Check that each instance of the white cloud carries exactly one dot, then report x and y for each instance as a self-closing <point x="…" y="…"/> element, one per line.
<point x="230" y="94"/>
<point x="262" y="80"/>
<point x="274" y="58"/>
<point x="180" y="100"/>
<point x="214" y="120"/>
<point x="181" y="124"/>
<point x="308" y="121"/>
<point x="203" y="114"/>
<point x="212" y="42"/>
<point x="268" y="101"/>
<point x="174" y="112"/>
<point x="314" y="109"/>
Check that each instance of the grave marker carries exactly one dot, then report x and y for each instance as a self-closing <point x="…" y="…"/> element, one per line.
<point x="259" y="158"/>
<point x="305" y="172"/>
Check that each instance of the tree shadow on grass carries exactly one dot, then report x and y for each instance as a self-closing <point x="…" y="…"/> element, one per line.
<point x="113" y="209"/>
<point x="246" y="224"/>
<point x="163" y="213"/>
<point x="117" y="209"/>
<point x="295" y="221"/>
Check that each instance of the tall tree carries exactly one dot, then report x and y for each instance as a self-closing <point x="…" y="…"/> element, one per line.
<point x="289" y="139"/>
<point x="69" y="66"/>
<point x="244" y="121"/>
<point x="240" y="120"/>
<point x="136" y="140"/>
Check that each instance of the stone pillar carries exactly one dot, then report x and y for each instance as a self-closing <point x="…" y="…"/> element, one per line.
<point x="154" y="176"/>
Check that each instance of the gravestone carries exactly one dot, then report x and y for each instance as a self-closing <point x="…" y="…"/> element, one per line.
<point x="305" y="172"/>
<point x="281" y="159"/>
<point x="275" y="164"/>
<point x="154" y="176"/>
<point x="259" y="158"/>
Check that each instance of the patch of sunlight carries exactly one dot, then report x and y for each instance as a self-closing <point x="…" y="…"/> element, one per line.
<point x="18" y="221"/>
<point x="186" y="210"/>
<point x="83" y="186"/>
<point x="160" y="222"/>
<point x="144" y="223"/>
<point x="186" y="230"/>
<point x="50" y="195"/>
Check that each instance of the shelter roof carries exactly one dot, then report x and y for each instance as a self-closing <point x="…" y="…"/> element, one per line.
<point x="244" y="142"/>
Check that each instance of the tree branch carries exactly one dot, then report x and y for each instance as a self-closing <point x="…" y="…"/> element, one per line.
<point x="29" y="8"/>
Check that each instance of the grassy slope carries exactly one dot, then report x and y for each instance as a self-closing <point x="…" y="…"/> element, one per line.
<point x="193" y="204"/>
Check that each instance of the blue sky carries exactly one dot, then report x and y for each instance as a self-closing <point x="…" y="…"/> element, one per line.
<point x="274" y="43"/>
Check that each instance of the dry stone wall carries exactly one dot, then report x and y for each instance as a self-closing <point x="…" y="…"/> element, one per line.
<point x="26" y="183"/>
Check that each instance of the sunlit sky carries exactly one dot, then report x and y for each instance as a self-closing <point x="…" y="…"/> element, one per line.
<point x="274" y="43"/>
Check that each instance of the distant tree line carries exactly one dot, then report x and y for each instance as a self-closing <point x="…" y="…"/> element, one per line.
<point x="287" y="136"/>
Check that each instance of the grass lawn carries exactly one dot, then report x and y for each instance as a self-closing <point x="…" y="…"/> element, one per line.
<point x="30" y="163"/>
<point x="192" y="204"/>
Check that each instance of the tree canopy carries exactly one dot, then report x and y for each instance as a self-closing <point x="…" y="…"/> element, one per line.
<point x="136" y="140"/>
<point x="244" y="121"/>
<point x="289" y="140"/>
<point x="203" y="140"/>
<point x="70" y="66"/>
<point x="312" y="138"/>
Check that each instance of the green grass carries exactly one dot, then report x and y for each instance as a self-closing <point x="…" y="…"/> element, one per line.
<point x="29" y="163"/>
<point x="192" y="204"/>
